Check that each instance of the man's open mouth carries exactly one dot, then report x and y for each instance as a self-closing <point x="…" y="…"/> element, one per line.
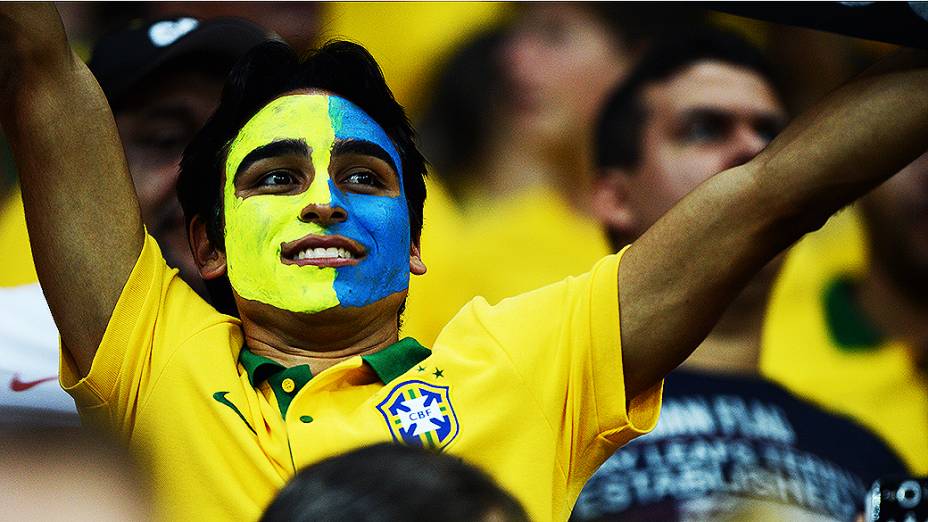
<point x="322" y="251"/>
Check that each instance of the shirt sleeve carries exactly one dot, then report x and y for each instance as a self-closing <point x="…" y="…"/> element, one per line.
<point x="156" y="312"/>
<point x="564" y="342"/>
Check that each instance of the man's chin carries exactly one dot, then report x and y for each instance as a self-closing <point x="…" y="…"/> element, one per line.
<point x="280" y="308"/>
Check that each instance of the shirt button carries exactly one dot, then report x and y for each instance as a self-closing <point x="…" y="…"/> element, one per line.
<point x="306" y="419"/>
<point x="288" y="385"/>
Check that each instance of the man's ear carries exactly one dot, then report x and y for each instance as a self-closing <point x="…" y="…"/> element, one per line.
<point x="211" y="262"/>
<point x="611" y="202"/>
<point x="416" y="266"/>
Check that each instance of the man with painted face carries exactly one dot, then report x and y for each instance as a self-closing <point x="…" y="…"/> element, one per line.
<point x="358" y="214"/>
<point x="538" y="390"/>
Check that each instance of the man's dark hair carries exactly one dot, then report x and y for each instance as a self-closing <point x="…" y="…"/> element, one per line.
<point x="392" y="483"/>
<point x="618" y="131"/>
<point x="635" y="25"/>
<point x="265" y="73"/>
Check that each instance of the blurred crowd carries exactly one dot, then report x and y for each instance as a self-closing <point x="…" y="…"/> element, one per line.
<point x="556" y="134"/>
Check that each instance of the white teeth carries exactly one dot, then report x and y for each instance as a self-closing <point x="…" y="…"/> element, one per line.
<point x="324" y="253"/>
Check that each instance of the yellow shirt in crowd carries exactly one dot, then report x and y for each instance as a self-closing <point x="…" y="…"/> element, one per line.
<point x="502" y="247"/>
<point x="437" y="295"/>
<point x="16" y="267"/>
<point x="528" y="240"/>
<point x="819" y="345"/>
<point x="539" y="407"/>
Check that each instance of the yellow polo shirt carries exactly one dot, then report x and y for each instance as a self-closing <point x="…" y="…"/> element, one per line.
<point x="531" y="390"/>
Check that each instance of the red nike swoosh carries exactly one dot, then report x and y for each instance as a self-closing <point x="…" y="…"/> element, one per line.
<point x="18" y="386"/>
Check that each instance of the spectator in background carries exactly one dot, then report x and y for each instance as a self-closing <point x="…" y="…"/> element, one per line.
<point x="163" y="79"/>
<point x="391" y="483"/>
<point x="851" y="304"/>
<point x="508" y="136"/>
<point x="729" y="442"/>
<point x="895" y="291"/>
<point x="297" y="23"/>
<point x="846" y="323"/>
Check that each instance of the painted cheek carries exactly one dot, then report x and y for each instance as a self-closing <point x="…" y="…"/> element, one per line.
<point x="383" y="223"/>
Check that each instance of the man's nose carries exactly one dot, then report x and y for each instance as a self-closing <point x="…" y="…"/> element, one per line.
<point x="517" y="56"/>
<point x="323" y="214"/>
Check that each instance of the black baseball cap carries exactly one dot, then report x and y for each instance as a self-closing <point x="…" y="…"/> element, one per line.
<point x="122" y="58"/>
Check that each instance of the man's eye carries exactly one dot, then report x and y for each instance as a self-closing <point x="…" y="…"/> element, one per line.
<point x="704" y="130"/>
<point x="277" y="178"/>
<point x="768" y="131"/>
<point x="362" y="178"/>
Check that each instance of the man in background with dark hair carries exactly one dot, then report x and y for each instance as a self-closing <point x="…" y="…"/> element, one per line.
<point x="730" y="443"/>
<point x="305" y="191"/>
<point x="163" y="79"/>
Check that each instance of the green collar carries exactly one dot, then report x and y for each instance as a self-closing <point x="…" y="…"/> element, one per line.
<point x="388" y="364"/>
<point x="258" y="367"/>
<point x="848" y="325"/>
<point x="396" y="359"/>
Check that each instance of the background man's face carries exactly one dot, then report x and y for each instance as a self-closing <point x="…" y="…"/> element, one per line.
<point x="315" y="212"/>
<point x="897" y="217"/>
<point x="155" y="125"/>
<point x="558" y="64"/>
<point x="707" y="118"/>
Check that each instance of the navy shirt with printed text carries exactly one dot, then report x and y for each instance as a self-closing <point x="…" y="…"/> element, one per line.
<point x="738" y="446"/>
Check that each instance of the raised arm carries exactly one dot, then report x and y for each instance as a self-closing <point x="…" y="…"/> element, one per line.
<point x="677" y="278"/>
<point x="81" y="208"/>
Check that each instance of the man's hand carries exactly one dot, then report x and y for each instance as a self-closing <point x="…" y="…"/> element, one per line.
<point x="81" y="208"/>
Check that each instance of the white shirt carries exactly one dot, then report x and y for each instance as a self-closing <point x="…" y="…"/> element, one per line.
<point x="29" y="389"/>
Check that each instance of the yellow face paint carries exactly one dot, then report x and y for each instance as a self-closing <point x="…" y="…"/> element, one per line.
<point x="255" y="227"/>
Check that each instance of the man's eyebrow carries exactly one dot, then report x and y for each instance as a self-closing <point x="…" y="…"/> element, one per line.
<point x="363" y="147"/>
<point x="270" y="150"/>
<point x="703" y="111"/>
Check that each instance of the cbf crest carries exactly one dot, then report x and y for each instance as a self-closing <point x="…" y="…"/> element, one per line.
<point x="420" y="414"/>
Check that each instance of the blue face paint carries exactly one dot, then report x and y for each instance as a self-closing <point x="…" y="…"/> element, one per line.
<point x="379" y="223"/>
<point x="351" y="122"/>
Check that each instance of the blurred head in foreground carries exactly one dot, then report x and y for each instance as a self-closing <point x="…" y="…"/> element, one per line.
<point x="388" y="482"/>
<point x="68" y="474"/>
